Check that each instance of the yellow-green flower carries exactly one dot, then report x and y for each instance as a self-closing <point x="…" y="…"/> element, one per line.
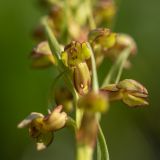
<point x="41" y="127"/>
<point x="102" y="40"/>
<point x="75" y="53"/>
<point x="129" y="91"/>
<point x="94" y="102"/>
<point x="42" y="56"/>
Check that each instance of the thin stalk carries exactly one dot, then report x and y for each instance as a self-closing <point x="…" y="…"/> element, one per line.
<point x="117" y="67"/>
<point x="55" y="47"/>
<point x="102" y="146"/>
<point x="126" y="55"/>
<point x="95" y="84"/>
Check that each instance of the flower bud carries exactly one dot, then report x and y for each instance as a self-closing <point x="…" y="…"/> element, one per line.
<point x="75" y="53"/>
<point x="94" y="102"/>
<point x="102" y="40"/>
<point x="123" y="41"/>
<point x="82" y="78"/>
<point x="134" y="93"/>
<point x="103" y="37"/>
<point x="42" y="56"/>
<point x="63" y="96"/>
<point x="129" y="91"/>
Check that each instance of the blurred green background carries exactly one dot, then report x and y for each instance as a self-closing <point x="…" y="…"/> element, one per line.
<point x="132" y="134"/>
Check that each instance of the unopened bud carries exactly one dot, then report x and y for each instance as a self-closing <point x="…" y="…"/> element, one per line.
<point x="129" y="91"/>
<point x="82" y="78"/>
<point x="63" y="96"/>
<point x="101" y="39"/>
<point x="134" y="93"/>
<point x="123" y="41"/>
<point x="94" y="102"/>
<point x="42" y="56"/>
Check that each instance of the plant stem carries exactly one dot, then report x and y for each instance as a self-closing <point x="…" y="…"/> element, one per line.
<point x="102" y="146"/>
<point x="118" y="65"/>
<point x="126" y="53"/>
<point x="52" y="39"/>
<point x="95" y="85"/>
<point x="84" y="152"/>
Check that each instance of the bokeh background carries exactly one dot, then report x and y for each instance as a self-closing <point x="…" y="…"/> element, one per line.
<point x="132" y="134"/>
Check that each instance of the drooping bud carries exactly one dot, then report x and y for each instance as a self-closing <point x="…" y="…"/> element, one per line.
<point x="63" y="96"/>
<point x="82" y="78"/>
<point x="129" y="91"/>
<point x="103" y="37"/>
<point x="123" y="41"/>
<point x="75" y="53"/>
<point x="42" y="56"/>
<point x="102" y="40"/>
<point x="94" y="102"/>
<point x="41" y="127"/>
<point x="135" y="94"/>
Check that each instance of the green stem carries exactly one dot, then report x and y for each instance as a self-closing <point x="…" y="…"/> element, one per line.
<point x="102" y="148"/>
<point x="118" y="66"/>
<point x="126" y="54"/>
<point x="95" y="84"/>
<point x="84" y="152"/>
<point x="55" y="47"/>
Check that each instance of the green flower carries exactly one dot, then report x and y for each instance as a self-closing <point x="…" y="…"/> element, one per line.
<point x="74" y="56"/>
<point x="42" y="128"/>
<point x="123" y="41"/>
<point x="42" y="56"/>
<point x="75" y="53"/>
<point x="63" y="96"/>
<point x="129" y="91"/>
<point x="102" y="40"/>
<point x="94" y="102"/>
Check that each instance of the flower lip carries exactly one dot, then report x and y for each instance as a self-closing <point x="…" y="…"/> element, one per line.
<point x="28" y="120"/>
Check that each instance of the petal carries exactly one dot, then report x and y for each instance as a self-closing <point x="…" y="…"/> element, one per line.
<point x="29" y="119"/>
<point x="133" y="101"/>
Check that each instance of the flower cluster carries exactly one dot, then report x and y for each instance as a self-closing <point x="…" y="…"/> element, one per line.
<point x="76" y="48"/>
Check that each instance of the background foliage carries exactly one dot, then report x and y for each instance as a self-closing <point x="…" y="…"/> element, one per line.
<point x="131" y="133"/>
